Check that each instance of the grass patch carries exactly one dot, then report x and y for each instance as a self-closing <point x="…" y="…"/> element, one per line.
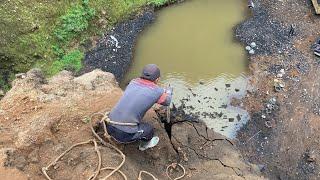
<point x="74" y="22"/>
<point x="71" y="62"/>
<point x="48" y="34"/>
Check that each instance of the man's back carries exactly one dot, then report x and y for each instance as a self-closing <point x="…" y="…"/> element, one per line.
<point x="139" y="96"/>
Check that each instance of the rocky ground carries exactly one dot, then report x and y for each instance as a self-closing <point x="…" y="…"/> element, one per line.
<point x="283" y="133"/>
<point x="40" y="119"/>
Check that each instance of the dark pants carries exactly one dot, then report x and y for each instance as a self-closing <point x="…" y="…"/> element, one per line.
<point x="144" y="133"/>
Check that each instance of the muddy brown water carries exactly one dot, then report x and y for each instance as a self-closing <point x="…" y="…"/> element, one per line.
<point x="193" y="44"/>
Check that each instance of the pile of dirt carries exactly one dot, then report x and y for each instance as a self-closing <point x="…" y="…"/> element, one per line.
<point x="40" y="119"/>
<point x="283" y="133"/>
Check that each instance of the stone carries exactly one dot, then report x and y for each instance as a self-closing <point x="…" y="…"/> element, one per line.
<point x="21" y="75"/>
<point x="253" y="45"/>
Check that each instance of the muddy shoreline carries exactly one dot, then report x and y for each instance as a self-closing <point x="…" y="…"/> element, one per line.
<point x="114" y="50"/>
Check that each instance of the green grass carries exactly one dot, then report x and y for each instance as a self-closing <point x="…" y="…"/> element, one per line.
<point x="48" y="34"/>
<point x="74" y="22"/>
<point x="71" y="62"/>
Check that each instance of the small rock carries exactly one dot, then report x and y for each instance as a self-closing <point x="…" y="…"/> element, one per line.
<point x="251" y="51"/>
<point x="279" y="75"/>
<point x="21" y="75"/>
<point x="248" y="48"/>
<point x="253" y="45"/>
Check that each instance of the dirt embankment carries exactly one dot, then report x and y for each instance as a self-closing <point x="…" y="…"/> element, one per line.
<point x="283" y="133"/>
<point x="40" y="119"/>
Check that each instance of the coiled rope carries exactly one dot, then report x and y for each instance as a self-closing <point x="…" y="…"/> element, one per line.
<point x="104" y="143"/>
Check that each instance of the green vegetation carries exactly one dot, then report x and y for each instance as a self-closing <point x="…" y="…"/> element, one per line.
<point x="71" y="61"/>
<point x="50" y="34"/>
<point x="74" y="22"/>
<point x="158" y="2"/>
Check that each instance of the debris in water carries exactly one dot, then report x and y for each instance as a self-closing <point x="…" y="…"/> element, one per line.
<point x="238" y="117"/>
<point x="228" y="85"/>
<point x="216" y="89"/>
<point x="237" y="90"/>
<point x="231" y="119"/>
<point x="201" y="83"/>
<point x="224" y="106"/>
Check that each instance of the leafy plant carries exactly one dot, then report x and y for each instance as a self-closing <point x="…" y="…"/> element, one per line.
<point x="75" y="21"/>
<point x="71" y="61"/>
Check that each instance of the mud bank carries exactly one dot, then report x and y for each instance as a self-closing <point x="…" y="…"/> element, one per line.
<point x="283" y="133"/>
<point x="114" y="50"/>
<point x="40" y="119"/>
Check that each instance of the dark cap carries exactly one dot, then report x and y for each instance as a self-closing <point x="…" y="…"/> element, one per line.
<point x="150" y="72"/>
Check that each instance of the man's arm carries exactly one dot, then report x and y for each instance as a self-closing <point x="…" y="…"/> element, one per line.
<point x="166" y="97"/>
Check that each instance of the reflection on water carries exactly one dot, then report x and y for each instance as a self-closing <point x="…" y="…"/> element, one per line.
<point x="193" y="45"/>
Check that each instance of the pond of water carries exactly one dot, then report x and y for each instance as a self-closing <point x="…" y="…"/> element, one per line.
<point x="193" y="44"/>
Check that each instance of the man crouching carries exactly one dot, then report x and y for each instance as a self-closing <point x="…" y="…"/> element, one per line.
<point x="141" y="94"/>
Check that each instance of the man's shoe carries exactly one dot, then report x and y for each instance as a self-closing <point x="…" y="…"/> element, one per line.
<point x="149" y="144"/>
<point x="317" y="50"/>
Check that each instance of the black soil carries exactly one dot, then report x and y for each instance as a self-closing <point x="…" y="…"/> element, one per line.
<point x="116" y="58"/>
<point x="282" y="135"/>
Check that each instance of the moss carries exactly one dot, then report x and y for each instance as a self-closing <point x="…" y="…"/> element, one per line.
<point x="39" y="33"/>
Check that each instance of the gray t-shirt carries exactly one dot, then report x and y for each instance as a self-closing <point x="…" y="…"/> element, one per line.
<point x="139" y="96"/>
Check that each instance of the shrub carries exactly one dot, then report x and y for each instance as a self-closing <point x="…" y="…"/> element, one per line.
<point x="71" y="62"/>
<point x="75" y="21"/>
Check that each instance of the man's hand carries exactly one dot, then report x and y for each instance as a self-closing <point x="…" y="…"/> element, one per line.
<point x="169" y="90"/>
